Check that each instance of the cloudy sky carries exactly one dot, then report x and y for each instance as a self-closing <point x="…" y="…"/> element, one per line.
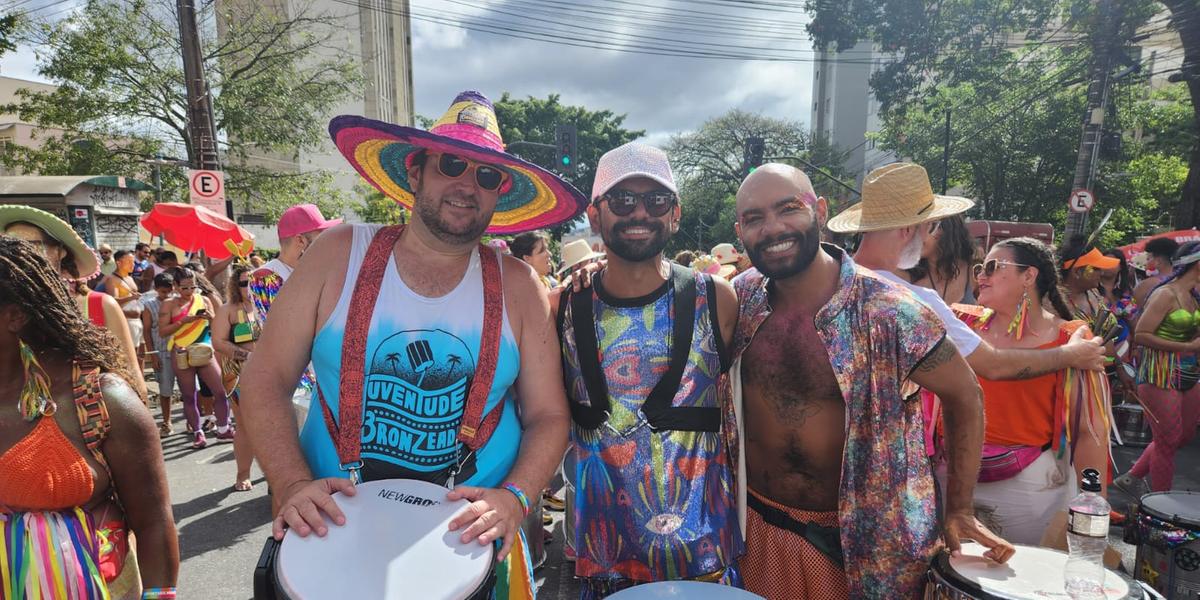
<point x="668" y="64"/>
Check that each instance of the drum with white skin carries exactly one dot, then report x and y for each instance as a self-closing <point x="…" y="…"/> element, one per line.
<point x="679" y="590"/>
<point x="396" y="544"/>
<point x="1031" y="574"/>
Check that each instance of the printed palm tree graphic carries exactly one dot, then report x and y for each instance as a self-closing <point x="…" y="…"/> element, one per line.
<point x="394" y="358"/>
<point x="453" y="361"/>
<point x="420" y="358"/>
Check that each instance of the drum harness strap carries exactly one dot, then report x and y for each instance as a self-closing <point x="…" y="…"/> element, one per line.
<point x="475" y="428"/>
<point x="657" y="409"/>
<point x="827" y="540"/>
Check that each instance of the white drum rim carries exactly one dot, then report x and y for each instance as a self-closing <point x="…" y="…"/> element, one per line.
<point x="490" y="550"/>
<point x="941" y="570"/>
<point x="1174" y="519"/>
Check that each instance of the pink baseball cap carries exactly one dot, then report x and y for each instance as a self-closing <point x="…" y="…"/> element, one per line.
<point x="632" y="160"/>
<point x="303" y="218"/>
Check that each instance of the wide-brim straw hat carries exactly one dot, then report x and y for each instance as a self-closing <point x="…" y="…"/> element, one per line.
<point x="86" y="261"/>
<point x="894" y="196"/>
<point x="531" y="198"/>
<point x="577" y="252"/>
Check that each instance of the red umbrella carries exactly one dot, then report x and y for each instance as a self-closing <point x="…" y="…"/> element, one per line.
<point x="1181" y="236"/>
<point x="194" y="228"/>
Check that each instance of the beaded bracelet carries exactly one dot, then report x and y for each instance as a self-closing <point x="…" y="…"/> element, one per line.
<point x="158" y="594"/>
<point x="520" y="494"/>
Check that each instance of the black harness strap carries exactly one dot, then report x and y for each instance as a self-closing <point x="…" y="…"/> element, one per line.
<point x="657" y="408"/>
<point x="827" y="540"/>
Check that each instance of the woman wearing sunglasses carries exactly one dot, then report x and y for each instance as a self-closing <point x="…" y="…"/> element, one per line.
<point x="1031" y="461"/>
<point x="1167" y="332"/>
<point x="234" y="331"/>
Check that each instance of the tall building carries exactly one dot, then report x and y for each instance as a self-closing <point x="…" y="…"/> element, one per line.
<point x="378" y="34"/>
<point x="844" y="109"/>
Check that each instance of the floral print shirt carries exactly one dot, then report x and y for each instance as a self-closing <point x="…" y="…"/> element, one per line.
<point x="875" y="333"/>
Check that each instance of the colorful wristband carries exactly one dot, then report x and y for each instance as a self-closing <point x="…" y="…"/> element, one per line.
<point x="520" y="494"/>
<point x="158" y="594"/>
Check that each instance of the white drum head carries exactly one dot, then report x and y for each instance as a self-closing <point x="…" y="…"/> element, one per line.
<point x="396" y="543"/>
<point x="691" y="590"/>
<point x="1031" y="574"/>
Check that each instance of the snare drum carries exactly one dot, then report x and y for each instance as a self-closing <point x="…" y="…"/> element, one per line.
<point x="692" y="590"/>
<point x="1031" y="574"/>
<point x="1168" y="536"/>
<point x="396" y="543"/>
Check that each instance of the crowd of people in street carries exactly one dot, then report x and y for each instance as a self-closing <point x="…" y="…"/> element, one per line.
<point x="778" y="413"/>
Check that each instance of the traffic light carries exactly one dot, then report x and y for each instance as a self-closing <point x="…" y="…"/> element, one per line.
<point x="752" y="154"/>
<point x="566" y="140"/>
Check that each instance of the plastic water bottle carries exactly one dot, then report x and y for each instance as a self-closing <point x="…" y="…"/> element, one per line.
<point x="1087" y="538"/>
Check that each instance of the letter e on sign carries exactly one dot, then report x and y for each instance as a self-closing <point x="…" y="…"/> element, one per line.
<point x="207" y="189"/>
<point x="1081" y="201"/>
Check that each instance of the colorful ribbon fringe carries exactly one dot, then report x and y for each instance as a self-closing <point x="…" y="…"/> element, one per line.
<point x="1163" y="535"/>
<point x="49" y="556"/>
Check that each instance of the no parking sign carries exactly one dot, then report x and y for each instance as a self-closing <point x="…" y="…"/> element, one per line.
<point x="207" y="189"/>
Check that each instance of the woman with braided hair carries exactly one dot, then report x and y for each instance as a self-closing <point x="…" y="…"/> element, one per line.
<point x="81" y="466"/>
<point x="1167" y="373"/>
<point x="235" y="330"/>
<point x="1042" y="432"/>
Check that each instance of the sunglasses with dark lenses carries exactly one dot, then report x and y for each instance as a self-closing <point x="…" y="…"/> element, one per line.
<point x="244" y="283"/>
<point x="487" y="177"/>
<point x="989" y="267"/>
<point x="623" y="202"/>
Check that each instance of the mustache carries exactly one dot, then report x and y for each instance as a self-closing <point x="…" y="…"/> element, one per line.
<point x="655" y="226"/>
<point x="761" y="247"/>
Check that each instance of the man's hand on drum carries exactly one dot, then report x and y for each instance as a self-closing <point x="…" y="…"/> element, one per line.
<point x="962" y="525"/>
<point x="493" y="514"/>
<point x="305" y="502"/>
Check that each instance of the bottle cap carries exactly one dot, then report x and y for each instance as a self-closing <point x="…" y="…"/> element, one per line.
<point x="1090" y="481"/>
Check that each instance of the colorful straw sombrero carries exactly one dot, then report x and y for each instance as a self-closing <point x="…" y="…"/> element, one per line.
<point x="532" y="197"/>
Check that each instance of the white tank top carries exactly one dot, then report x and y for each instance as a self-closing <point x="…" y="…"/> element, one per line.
<point x="420" y="358"/>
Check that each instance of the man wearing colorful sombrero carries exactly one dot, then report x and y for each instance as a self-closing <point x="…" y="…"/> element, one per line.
<point x="397" y="319"/>
<point x="840" y="494"/>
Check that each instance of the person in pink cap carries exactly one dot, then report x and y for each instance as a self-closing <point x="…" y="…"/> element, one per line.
<point x="298" y="228"/>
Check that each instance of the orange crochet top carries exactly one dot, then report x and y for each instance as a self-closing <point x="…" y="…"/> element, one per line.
<point x="43" y="471"/>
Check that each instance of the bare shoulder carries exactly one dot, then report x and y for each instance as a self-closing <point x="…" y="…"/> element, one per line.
<point x="525" y="296"/>
<point x="330" y="250"/>
<point x="125" y="408"/>
<point x="727" y="297"/>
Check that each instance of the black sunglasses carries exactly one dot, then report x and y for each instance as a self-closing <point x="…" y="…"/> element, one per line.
<point x="623" y="202"/>
<point x="487" y="177"/>
<point x="989" y="267"/>
<point x="243" y="283"/>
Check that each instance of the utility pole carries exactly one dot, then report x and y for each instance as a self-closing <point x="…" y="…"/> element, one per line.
<point x="201" y="123"/>
<point x="946" y="157"/>
<point x="1104" y="39"/>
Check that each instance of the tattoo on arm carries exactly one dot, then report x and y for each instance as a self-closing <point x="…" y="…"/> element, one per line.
<point x="1025" y="373"/>
<point x="937" y="357"/>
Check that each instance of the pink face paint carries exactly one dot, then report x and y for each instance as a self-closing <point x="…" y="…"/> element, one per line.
<point x="808" y="198"/>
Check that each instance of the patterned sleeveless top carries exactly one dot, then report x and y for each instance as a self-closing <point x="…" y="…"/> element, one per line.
<point x="651" y="504"/>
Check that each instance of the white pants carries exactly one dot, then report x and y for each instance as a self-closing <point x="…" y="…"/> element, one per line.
<point x="1019" y="509"/>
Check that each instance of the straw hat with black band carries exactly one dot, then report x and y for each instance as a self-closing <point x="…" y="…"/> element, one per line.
<point x="894" y="196"/>
<point x="86" y="261"/>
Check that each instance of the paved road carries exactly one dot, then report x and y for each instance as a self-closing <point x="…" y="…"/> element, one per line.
<point x="222" y="531"/>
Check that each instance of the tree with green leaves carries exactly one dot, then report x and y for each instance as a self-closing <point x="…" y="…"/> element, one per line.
<point x="121" y="97"/>
<point x="708" y="165"/>
<point x="533" y="120"/>
<point x="378" y="208"/>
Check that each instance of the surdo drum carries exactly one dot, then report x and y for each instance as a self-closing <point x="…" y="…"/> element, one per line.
<point x="679" y="590"/>
<point x="1031" y="574"/>
<point x="396" y="543"/>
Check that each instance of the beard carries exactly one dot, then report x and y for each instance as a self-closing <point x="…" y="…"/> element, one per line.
<point x="637" y="250"/>
<point x="911" y="254"/>
<point x="808" y="243"/>
<point x="429" y="210"/>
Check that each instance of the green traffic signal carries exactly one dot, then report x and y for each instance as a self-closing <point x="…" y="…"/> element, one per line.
<point x="566" y="160"/>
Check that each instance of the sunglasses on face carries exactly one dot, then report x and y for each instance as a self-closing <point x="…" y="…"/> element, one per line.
<point x="623" y="202"/>
<point x="487" y="177"/>
<point x="934" y="227"/>
<point x="187" y="287"/>
<point x="989" y="267"/>
<point x="244" y="283"/>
